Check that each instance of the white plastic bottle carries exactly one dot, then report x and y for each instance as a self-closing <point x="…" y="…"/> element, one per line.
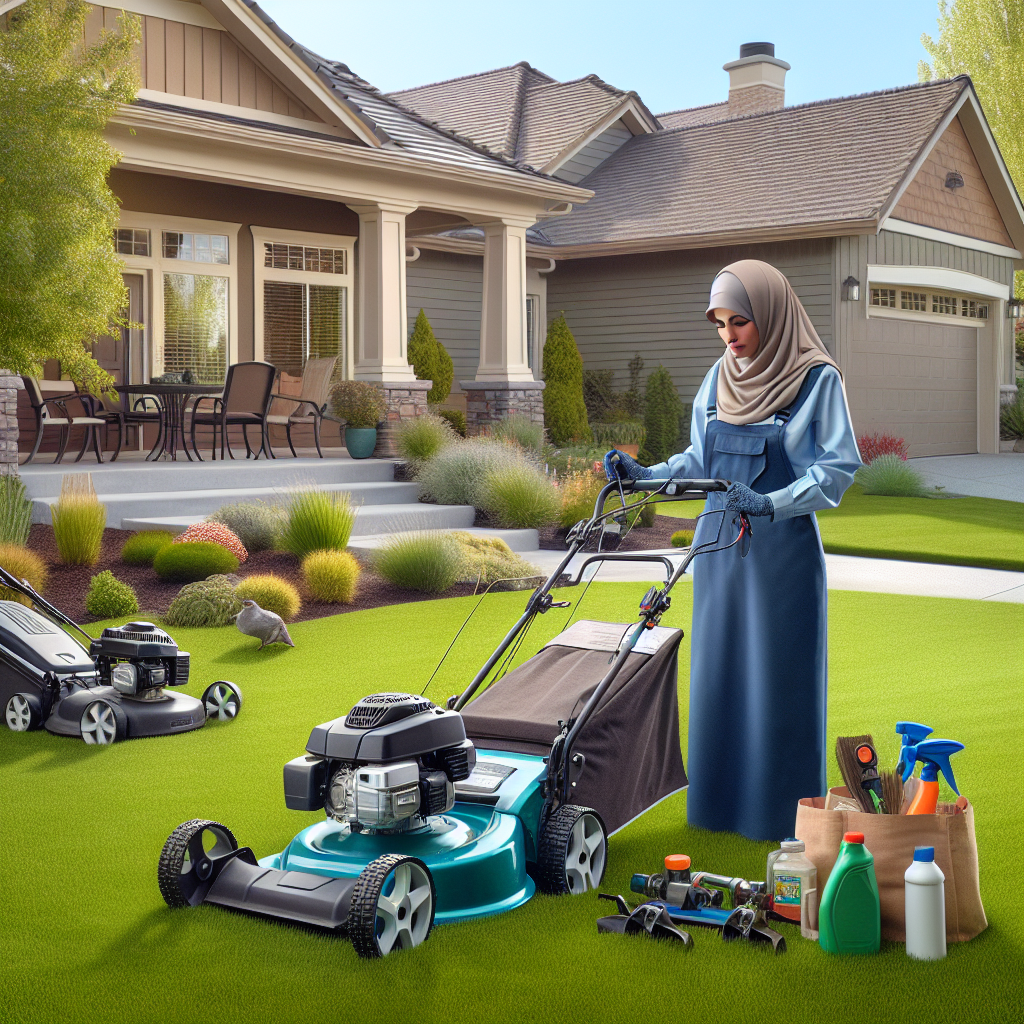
<point x="925" y="906"/>
<point x="795" y="887"/>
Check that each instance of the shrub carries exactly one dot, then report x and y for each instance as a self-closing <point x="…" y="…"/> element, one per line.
<point x="456" y="417"/>
<point x="214" y="533"/>
<point x="599" y="394"/>
<point x="142" y="547"/>
<point x="520" y="497"/>
<point x="109" y="598"/>
<point x="565" y="413"/>
<point x="318" y="521"/>
<point x="871" y="446"/>
<point x="418" y="440"/>
<point x="489" y="559"/>
<point x="271" y="593"/>
<point x="209" y="602"/>
<point x="429" y="562"/>
<point x="890" y="475"/>
<point x="578" y="491"/>
<point x="521" y="430"/>
<point x="1011" y="417"/>
<point x="78" y="521"/>
<point x="430" y="360"/>
<point x="682" y="538"/>
<point x="15" y="510"/>
<point x="192" y="561"/>
<point x="257" y="525"/>
<point x="455" y="476"/>
<point x="612" y="435"/>
<point x="575" y="459"/>
<point x="22" y="564"/>
<point x="359" y="403"/>
<point x="662" y="409"/>
<point x="331" y="576"/>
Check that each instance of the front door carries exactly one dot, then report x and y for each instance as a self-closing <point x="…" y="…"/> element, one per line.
<point x="121" y="354"/>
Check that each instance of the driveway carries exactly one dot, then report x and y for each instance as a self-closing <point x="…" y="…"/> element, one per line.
<point x="983" y="476"/>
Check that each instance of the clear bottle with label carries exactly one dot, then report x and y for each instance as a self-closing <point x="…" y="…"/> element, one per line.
<point x="794" y="881"/>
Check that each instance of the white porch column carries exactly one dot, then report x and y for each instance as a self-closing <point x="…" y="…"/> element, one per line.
<point x="381" y="314"/>
<point x="503" y="355"/>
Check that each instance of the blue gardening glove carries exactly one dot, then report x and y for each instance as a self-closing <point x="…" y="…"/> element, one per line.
<point x="625" y="467"/>
<point x="740" y="498"/>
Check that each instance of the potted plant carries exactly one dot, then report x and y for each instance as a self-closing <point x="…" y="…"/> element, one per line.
<point x="361" y="406"/>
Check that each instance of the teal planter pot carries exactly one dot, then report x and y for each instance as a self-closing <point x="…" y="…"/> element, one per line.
<point x="360" y="441"/>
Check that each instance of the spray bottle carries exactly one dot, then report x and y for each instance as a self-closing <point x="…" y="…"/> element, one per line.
<point x="934" y="756"/>
<point x="912" y="733"/>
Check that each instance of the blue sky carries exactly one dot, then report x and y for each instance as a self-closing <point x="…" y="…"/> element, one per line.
<point x="670" y="53"/>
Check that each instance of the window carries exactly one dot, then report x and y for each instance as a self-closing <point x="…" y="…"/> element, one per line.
<point x="917" y="301"/>
<point x="532" y="308"/>
<point x="184" y="245"/>
<point x="319" y="260"/>
<point x="883" y="297"/>
<point x="131" y="241"/>
<point x="303" y="321"/>
<point x="196" y="326"/>
<point x="974" y="309"/>
<point x="948" y="304"/>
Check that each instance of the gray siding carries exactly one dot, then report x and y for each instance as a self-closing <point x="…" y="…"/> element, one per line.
<point x="448" y="287"/>
<point x="654" y="304"/>
<point x="594" y="153"/>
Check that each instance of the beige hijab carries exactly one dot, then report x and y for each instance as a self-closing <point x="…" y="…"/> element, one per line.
<point x="789" y="347"/>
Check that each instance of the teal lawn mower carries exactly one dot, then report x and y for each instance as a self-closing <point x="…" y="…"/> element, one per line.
<point x="445" y="814"/>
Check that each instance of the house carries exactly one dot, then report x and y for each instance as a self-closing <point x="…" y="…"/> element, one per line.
<point x="892" y="214"/>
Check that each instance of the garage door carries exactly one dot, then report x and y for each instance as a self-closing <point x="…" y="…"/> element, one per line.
<point x="918" y="381"/>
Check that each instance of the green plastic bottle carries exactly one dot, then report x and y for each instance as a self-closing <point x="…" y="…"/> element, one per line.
<point x="849" y="917"/>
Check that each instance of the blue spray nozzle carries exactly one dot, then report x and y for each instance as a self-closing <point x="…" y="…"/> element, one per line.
<point x="934" y="756"/>
<point x="912" y="733"/>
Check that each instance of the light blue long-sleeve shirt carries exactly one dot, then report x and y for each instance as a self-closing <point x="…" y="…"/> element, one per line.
<point x="818" y="440"/>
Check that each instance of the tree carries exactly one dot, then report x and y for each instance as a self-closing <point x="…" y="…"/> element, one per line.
<point x="985" y="39"/>
<point x="60" y="276"/>
<point x="565" y="412"/>
<point x="430" y="360"/>
<point x="662" y="409"/>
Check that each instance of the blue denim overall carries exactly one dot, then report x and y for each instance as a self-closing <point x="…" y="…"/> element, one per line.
<point x="758" y="646"/>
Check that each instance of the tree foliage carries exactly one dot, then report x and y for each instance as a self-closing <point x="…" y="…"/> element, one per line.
<point x="60" y="277"/>
<point x="565" y="412"/>
<point x="430" y="360"/>
<point x="985" y="39"/>
<point x="662" y="409"/>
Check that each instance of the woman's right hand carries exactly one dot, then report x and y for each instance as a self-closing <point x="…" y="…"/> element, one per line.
<point x="620" y="465"/>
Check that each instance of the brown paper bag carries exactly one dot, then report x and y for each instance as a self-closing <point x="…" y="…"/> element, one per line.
<point x="891" y="839"/>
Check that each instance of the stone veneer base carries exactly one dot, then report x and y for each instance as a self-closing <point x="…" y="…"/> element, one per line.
<point x="406" y="400"/>
<point x="488" y="401"/>
<point x="10" y="385"/>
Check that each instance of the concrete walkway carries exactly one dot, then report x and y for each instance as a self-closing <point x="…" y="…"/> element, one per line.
<point x="845" y="572"/>
<point x="984" y="476"/>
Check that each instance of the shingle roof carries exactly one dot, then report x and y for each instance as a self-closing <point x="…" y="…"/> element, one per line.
<point x="694" y="115"/>
<point x="820" y="163"/>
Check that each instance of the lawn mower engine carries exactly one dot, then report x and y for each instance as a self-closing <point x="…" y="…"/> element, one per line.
<point x="386" y="767"/>
<point x="139" y="660"/>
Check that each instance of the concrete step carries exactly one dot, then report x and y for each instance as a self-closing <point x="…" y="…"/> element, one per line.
<point x="523" y="541"/>
<point x="184" y="502"/>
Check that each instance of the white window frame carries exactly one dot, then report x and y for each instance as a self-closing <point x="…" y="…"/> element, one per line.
<point x="935" y="281"/>
<point x="154" y="266"/>
<point x="262" y="273"/>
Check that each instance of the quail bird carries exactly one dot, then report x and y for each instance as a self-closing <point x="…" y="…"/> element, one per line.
<point x="268" y="627"/>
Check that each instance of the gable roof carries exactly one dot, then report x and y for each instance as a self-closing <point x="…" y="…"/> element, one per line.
<point x="815" y="169"/>
<point x="695" y="115"/>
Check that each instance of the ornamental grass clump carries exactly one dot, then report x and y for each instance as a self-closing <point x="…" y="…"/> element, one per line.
<point x="109" y="598"/>
<point x="490" y="560"/>
<point x="214" y="533"/>
<point x="578" y="490"/>
<point x="15" y="510"/>
<point x="272" y="594"/>
<point x="682" y="538"/>
<point x="22" y="564"/>
<point x="318" y="521"/>
<point x="209" y="602"/>
<point x="256" y="524"/>
<point x="192" y="561"/>
<point x="455" y="476"/>
<point x="1011" y="417"/>
<point x="428" y="562"/>
<point x="890" y="475"/>
<point x="520" y="496"/>
<point x="331" y="576"/>
<point x="418" y="440"/>
<point x="521" y="430"/>
<point x="141" y="548"/>
<point x="78" y="520"/>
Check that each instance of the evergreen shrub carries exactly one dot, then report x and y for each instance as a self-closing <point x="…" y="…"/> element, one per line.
<point x="271" y="593"/>
<point x="22" y="564"/>
<point x="662" y="409"/>
<point x="456" y="417"/>
<point x="430" y="360"/>
<point x="142" y="547"/>
<point x="565" y="413"/>
<point x="109" y="598"/>
<point x="192" y="561"/>
<point x="209" y="602"/>
<point x="331" y="576"/>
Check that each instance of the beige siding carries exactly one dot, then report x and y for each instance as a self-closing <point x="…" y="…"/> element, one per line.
<point x="594" y="153"/>
<point x="654" y="304"/>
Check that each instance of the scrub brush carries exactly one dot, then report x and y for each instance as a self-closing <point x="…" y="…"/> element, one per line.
<point x="892" y="791"/>
<point x="849" y="766"/>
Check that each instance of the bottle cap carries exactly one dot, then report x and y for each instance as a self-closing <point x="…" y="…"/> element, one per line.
<point x="677" y="862"/>
<point x="853" y="837"/>
<point x="793" y="845"/>
<point x="925" y="853"/>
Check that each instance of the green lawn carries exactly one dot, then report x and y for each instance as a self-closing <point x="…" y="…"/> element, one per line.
<point x="86" y="937"/>
<point x="955" y="531"/>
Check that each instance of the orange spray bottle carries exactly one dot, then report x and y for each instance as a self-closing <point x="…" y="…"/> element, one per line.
<point x="934" y="757"/>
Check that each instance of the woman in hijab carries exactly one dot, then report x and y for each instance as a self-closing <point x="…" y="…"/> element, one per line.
<point x="771" y="416"/>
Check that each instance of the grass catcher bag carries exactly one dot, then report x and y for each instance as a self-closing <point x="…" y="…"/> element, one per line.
<point x="891" y="838"/>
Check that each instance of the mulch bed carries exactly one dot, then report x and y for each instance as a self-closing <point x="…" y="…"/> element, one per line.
<point x="69" y="583"/>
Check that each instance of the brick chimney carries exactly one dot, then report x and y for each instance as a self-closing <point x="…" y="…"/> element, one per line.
<point x="757" y="81"/>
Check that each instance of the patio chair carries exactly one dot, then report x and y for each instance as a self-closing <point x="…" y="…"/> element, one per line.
<point x="114" y="411"/>
<point x="66" y="421"/>
<point x="309" y="403"/>
<point x="245" y="402"/>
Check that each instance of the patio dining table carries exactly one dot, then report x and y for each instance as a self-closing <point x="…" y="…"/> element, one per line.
<point x="174" y="399"/>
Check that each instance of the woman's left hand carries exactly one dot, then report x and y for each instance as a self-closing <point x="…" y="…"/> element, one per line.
<point x="740" y="498"/>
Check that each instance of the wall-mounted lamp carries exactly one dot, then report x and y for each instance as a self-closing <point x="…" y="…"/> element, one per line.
<point x="851" y="289"/>
<point x="954" y="180"/>
<point x="1015" y="309"/>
